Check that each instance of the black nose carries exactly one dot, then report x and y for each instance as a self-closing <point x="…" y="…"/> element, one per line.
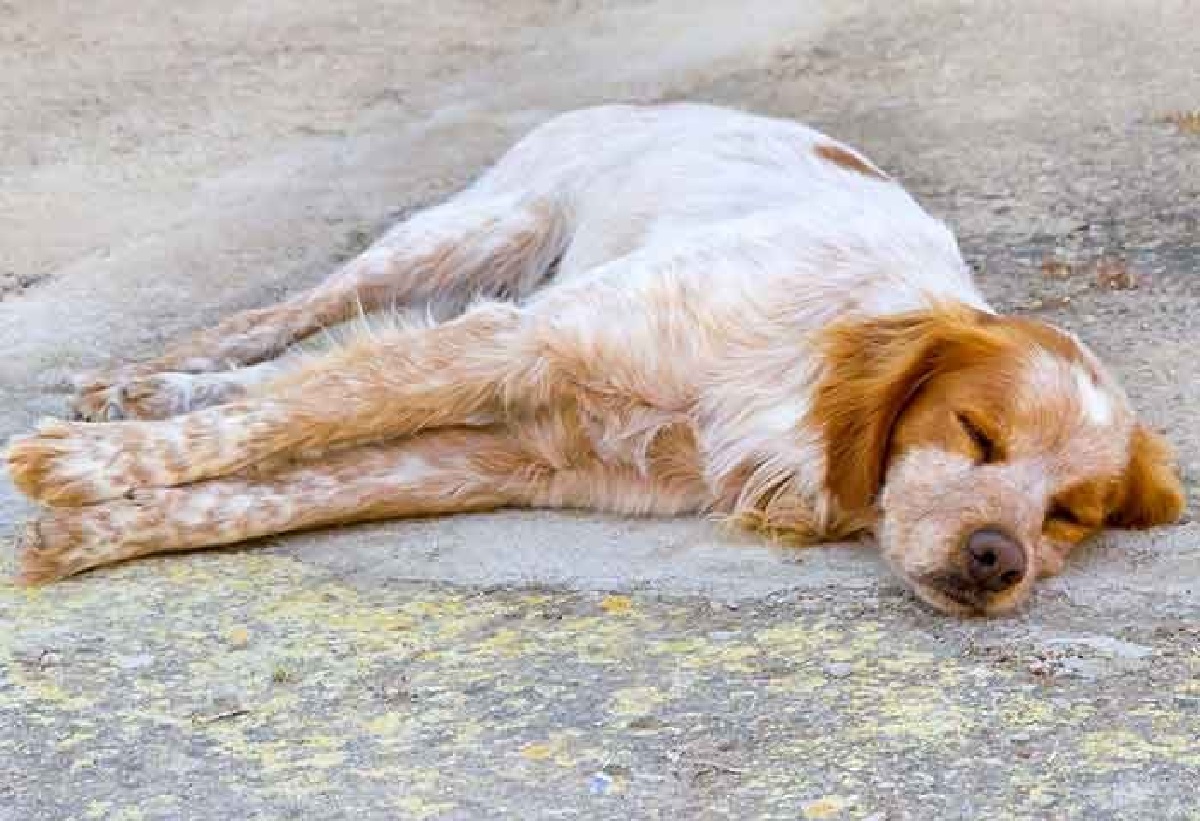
<point x="995" y="561"/>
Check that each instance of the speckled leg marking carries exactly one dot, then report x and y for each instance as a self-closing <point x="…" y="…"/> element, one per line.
<point x="472" y="246"/>
<point x="446" y="471"/>
<point x="379" y="387"/>
<point x="65" y="464"/>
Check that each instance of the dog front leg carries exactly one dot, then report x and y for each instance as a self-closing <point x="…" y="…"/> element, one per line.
<point x="380" y="387"/>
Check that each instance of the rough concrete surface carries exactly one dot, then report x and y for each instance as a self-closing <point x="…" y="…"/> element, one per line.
<point x="164" y="164"/>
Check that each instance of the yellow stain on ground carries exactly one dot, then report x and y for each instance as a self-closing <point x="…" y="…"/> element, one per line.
<point x="801" y="641"/>
<point x="536" y="751"/>
<point x="418" y="808"/>
<point x="828" y="807"/>
<point x="689" y="646"/>
<point x="387" y="724"/>
<point x="507" y="643"/>
<point x="1024" y="711"/>
<point x="797" y="683"/>
<point x="918" y="713"/>
<point x="1125" y="749"/>
<point x="557" y="749"/>
<point x="75" y="738"/>
<point x="699" y="653"/>
<point x="458" y="654"/>
<point x="616" y="605"/>
<point x="40" y="688"/>
<point x="97" y="809"/>
<point x="637" y="701"/>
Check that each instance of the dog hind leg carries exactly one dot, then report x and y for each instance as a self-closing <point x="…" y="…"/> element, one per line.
<point x="453" y="470"/>
<point x="475" y="245"/>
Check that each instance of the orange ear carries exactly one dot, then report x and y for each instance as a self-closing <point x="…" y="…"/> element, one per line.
<point x="1153" y="494"/>
<point x="874" y="369"/>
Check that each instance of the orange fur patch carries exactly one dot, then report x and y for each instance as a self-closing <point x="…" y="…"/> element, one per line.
<point x="899" y="382"/>
<point x="1151" y="491"/>
<point x="878" y="369"/>
<point x="874" y="370"/>
<point x="850" y="161"/>
<point x="1080" y="511"/>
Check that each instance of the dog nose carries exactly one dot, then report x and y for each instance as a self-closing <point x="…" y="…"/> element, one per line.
<point x="995" y="560"/>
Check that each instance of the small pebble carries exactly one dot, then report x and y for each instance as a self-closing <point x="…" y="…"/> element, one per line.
<point x="1055" y="267"/>
<point x="838" y="670"/>
<point x="1114" y="274"/>
<point x="1040" y="668"/>
<point x="135" y="662"/>
<point x="238" y="637"/>
<point x="600" y="783"/>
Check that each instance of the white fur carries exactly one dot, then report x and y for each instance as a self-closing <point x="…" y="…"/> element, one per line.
<point x="1097" y="407"/>
<point x="703" y="211"/>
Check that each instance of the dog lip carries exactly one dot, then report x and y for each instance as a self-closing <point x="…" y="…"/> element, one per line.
<point x="950" y="605"/>
<point x="953" y="587"/>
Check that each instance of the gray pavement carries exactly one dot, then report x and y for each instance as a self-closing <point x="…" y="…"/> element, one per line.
<point x="162" y="166"/>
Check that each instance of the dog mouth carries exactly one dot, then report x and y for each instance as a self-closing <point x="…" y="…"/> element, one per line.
<point x="955" y="595"/>
<point x="953" y="588"/>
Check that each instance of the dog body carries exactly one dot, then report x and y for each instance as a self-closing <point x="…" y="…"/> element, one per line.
<point x="650" y="310"/>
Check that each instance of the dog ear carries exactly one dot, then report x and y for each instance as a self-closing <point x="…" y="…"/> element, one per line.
<point x="1152" y="493"/>
<point x="874" y="368"/>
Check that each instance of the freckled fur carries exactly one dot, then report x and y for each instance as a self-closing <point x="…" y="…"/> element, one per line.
<point x="647" y="310"/>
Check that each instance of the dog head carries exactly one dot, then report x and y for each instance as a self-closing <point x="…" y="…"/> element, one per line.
<point x="988" y="448"/>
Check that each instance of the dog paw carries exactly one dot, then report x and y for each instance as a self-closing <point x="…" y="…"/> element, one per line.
<point x="63" y="541"/>
<point x="68" y="465"/>
<point x="49" y="548"/>
<point x="159" y="396"/>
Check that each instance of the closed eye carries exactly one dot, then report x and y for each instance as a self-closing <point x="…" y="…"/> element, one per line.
<point x="983" y="442"/>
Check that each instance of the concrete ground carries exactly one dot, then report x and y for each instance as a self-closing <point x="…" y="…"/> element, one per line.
<point x="164" y="164"/>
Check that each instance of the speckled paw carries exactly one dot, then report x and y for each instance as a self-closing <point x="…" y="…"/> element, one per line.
<point x="49" y="548"/>
<point x="157" y="396"/>
<point x="67" y="464"/>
